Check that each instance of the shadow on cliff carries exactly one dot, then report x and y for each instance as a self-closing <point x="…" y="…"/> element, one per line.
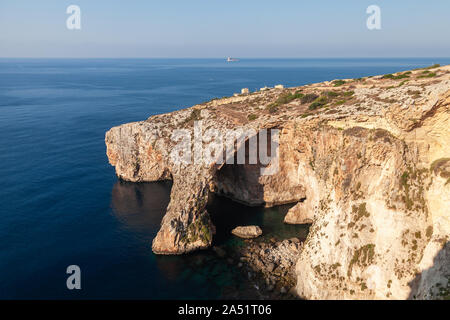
<point x="434" y="282"/>
<point x="240" y="178"/>
<point x="227" y="214"/>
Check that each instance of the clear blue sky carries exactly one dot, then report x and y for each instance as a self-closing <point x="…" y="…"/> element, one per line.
<point x="213" y="28"/>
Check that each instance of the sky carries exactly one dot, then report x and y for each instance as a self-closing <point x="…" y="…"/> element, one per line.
<point x="217" y="29"/>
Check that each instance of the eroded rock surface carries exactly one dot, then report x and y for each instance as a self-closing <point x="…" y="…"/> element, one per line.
<point x="365" y="160"/>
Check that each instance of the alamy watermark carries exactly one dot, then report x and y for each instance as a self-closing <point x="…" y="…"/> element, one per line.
<point x="73" y="22"/>
<point x="374" y="20"/>
<point x="213" y="146"/>
<point x="74" y="280"/>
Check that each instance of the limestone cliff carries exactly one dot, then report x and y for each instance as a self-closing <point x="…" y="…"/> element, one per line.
<point x="367" y="161"/>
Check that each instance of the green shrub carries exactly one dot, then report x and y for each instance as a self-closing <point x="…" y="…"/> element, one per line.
<point x="364" y="256"/>
<point x="318" y="103"/>
<point x="401" y="76"/>
<point x="348" y="93"/>
<point x="437" y="65"/>
<point x="404" y="179"/>
<point x="332" y="94"/>
<point x="194" y="116"/>
<point x="252" y="117"/>
<point x="427" y="75"/>
<point x="290" y="97"/>
<point x="338" y="83"/>
<point x="284" y="99"/>
<point x="398" y="77"/>
<point x="308" y="98"/>
<point x="272" y="108"/>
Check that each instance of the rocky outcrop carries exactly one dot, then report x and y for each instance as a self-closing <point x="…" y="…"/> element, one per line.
<point x="247" y="232"/>
<point x="366" y="161"/>
<point x="301" y="213"/>
<point x="273" y="264"/>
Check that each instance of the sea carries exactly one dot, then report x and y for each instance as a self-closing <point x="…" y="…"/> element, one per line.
<point x="61" y="203"/>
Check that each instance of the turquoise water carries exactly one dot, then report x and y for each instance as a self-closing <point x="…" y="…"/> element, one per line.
<point x="61" y="203"/>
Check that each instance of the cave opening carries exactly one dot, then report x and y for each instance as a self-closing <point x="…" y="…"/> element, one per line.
<point x="226" y="214"/>
<point x="239" y="199"/>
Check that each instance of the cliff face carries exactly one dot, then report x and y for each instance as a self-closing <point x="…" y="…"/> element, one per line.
<point x="367" y="161"/>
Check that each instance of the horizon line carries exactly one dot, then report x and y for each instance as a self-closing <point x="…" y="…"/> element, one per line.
<point x="279" y="58"/>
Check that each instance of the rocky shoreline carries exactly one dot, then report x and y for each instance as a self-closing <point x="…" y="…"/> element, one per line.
<point x="269" y="267"/>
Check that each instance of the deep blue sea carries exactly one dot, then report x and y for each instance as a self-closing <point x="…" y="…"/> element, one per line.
<point x="60" y="201"/>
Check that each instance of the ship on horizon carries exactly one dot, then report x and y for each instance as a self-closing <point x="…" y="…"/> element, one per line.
<point x="230" y="59"/>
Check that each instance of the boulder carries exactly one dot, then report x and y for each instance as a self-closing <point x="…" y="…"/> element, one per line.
<point x="247" y="232"/>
